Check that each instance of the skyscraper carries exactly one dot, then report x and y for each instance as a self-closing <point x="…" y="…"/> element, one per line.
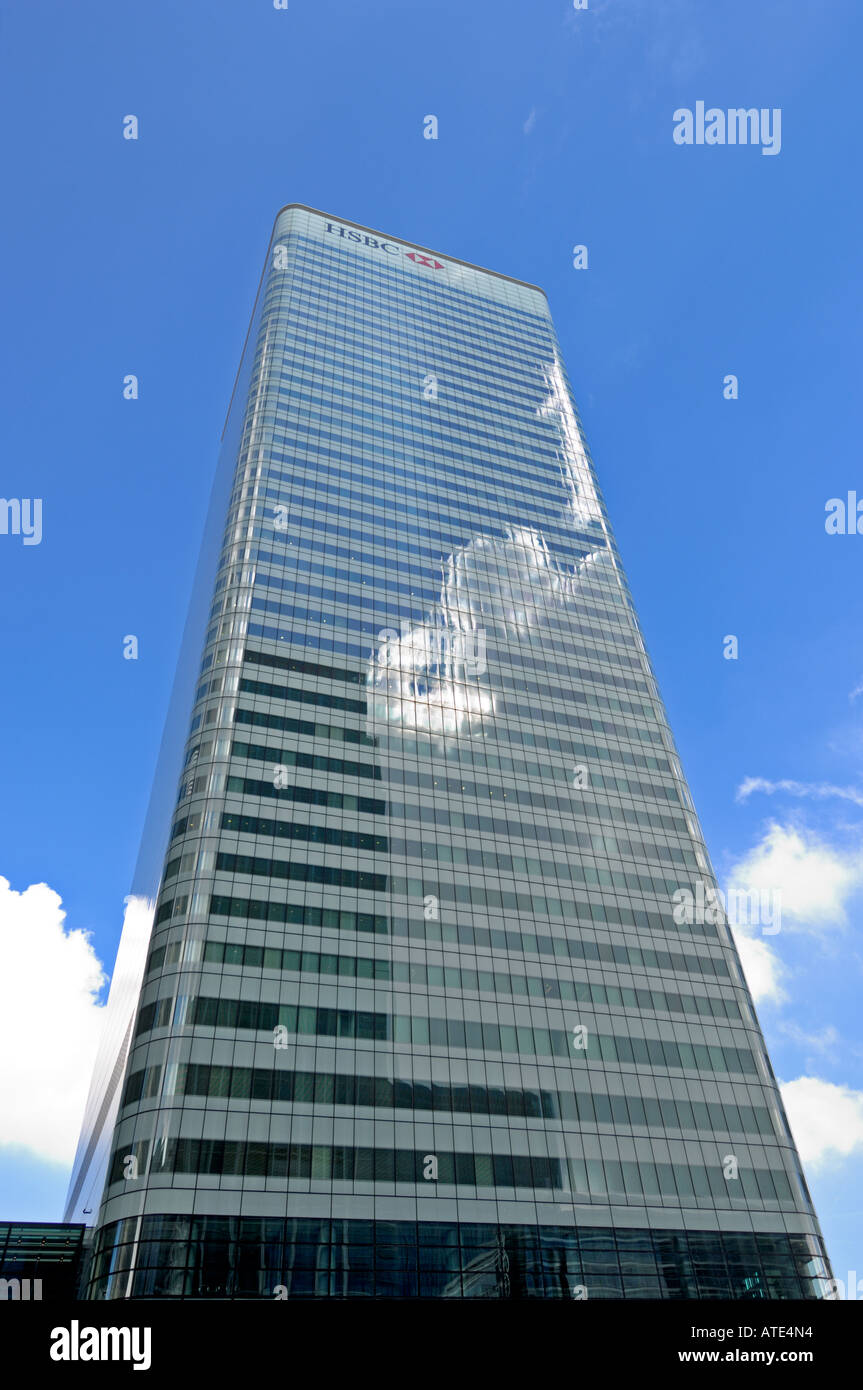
<point x="421" y="1016"/>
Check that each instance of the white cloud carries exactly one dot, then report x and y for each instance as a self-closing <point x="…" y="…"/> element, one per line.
<point x="814" y="880"/>
<point x="530" y="122"/>
<point x="50" y="1021"/>
<point x="826" y="1120"/>
<point x="817" y="790"/>
<point x="762" y="967"/>
<point x="826" y="1042"/>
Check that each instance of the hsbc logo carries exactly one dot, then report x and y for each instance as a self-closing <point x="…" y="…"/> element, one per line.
<point x="423" y="260"/>
<point x="389" y="248"/>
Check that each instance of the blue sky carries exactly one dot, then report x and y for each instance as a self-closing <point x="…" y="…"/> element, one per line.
<point x="555" y="128"/>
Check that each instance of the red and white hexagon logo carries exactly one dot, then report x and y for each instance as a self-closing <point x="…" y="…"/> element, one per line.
<point x="419" y="259"/>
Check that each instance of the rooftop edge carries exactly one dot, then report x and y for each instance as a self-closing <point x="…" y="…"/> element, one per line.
<point x="417" y="246"/>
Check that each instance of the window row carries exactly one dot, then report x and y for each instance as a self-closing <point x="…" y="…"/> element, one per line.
<point x="273" y="1085"/>
<point x="584" y="1044"/>
<point x="682" y="1183"/>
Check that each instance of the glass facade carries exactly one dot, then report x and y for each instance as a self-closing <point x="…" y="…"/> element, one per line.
<point x="40" y="1262"/>
<point x="419" y="1017"/>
